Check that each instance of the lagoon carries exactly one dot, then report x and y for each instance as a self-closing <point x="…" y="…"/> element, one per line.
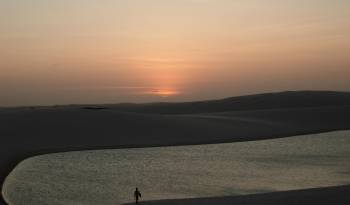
<point x="110" y="176"/>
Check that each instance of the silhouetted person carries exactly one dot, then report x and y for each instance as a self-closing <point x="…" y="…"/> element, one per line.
<point x="137" y="195"/>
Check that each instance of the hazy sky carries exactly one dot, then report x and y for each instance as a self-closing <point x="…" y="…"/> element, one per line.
<point x="91" y="51"/>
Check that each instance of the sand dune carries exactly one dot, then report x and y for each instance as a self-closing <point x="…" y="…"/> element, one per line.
<point x="288" y="99"/>
<point x="27" y="132"/>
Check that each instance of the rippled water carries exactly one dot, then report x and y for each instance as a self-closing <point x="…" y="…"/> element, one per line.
<point x="110" y="176"/>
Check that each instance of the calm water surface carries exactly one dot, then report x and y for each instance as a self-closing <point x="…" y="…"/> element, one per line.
<point x="110" y="176"/>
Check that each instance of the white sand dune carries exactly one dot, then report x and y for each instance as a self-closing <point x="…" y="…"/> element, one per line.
<point x="27" y="132"/>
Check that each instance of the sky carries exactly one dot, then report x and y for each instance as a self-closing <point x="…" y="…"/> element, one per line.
<point x="111" y="51"/>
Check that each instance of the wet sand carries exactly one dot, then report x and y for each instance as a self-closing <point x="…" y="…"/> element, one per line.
<point x="320" y="196"/>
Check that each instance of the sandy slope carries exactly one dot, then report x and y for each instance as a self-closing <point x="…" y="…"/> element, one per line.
<point x="288" y="99"/>
<point x="30" y="132"/>
<point x="27" y="132"/>
<point x="320" y="196"/>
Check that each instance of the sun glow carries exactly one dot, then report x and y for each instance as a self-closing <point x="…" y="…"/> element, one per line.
<point x="163" y="92"/>
<point x="158" y="79"/>
<point x="60" y="52"/>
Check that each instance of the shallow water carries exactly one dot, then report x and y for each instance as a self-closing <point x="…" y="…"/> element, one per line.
<point x="110" y="176"/>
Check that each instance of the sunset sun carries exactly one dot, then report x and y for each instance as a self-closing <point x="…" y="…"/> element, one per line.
<point x="163" y="92"/>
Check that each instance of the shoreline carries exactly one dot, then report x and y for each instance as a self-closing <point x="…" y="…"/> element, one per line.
<point x="338" y="195"/>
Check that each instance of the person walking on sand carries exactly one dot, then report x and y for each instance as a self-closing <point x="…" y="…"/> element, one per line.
<point x="137" y="195"/>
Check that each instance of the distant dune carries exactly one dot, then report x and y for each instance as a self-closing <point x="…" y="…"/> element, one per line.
<point x="27" y="132"/>
<point x="320" y="196"/>
<point x="288" y="99"/>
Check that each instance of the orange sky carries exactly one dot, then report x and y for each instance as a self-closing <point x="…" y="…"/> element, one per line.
<point x="63" y="52"/>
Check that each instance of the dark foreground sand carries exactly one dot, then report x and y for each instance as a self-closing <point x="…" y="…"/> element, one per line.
<point x="321" y="196"/>
<point x="27" y="132"/>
